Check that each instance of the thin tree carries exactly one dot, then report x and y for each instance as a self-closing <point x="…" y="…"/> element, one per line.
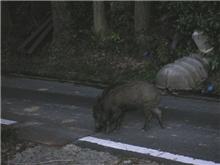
<point x="141" y="20"/>
<point x="62" y="30"/>
<point x="99" y="18"/>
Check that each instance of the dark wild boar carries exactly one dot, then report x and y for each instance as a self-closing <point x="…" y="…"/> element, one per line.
<point x="111" y="105"/>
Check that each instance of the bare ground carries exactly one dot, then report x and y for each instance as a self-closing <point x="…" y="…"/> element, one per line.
<point x="19" y="152"/>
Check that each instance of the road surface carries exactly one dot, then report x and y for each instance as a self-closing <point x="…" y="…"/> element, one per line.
<point x="56" y="114"/>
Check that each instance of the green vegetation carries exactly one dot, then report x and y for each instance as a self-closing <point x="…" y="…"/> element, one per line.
<point x="116" y="57"/>
<point x="203" y="16"/>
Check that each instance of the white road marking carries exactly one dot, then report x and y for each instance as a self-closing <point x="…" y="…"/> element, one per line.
<point x="42" y="89"/>
<point x="147" y="151"/>
<point x="7" y="122"/>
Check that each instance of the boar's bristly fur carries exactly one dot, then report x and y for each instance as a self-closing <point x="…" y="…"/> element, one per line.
<point x="111" y="105"/>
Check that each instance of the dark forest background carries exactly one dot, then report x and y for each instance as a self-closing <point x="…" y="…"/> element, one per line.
<point x="103" y="42"/>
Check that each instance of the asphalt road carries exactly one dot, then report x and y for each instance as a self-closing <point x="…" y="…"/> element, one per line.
<point x="192" y="127"/>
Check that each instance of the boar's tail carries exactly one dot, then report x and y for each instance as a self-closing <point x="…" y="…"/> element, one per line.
<point x="157" y="112"/>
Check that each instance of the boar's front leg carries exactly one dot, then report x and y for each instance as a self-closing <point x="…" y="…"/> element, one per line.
<point x="114" y="119"/>
<point x="148" y="117"/>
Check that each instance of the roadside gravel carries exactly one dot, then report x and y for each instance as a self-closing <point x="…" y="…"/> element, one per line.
<point x="72" y="155"/>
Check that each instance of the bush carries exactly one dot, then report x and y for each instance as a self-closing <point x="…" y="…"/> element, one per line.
<point x="190" y="16"/>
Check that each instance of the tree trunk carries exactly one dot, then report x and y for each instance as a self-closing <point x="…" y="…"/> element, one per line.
<point x="99" y="18"/>
<point x="62" y="30"/>
<point x="61" y="21"/>
<point x="6" y="15"/>
<point x="142" y="21"/>
<point x="142" y="16"/>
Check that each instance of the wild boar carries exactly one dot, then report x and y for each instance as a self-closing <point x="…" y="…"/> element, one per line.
<point x="111" y="105"/>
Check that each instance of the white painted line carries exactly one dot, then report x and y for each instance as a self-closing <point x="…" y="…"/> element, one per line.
<point x="147" y="151"/>
<point x="42" y="89"/>
<point x="7" y="122"/>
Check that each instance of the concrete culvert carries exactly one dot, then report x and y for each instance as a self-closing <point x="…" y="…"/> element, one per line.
<point x="186" y="73"/>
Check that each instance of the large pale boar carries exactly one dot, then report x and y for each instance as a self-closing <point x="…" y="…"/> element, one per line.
<point x="111" y="105"/>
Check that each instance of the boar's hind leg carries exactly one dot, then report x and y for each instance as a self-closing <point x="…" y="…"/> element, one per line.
<point x="157" y="112"/>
